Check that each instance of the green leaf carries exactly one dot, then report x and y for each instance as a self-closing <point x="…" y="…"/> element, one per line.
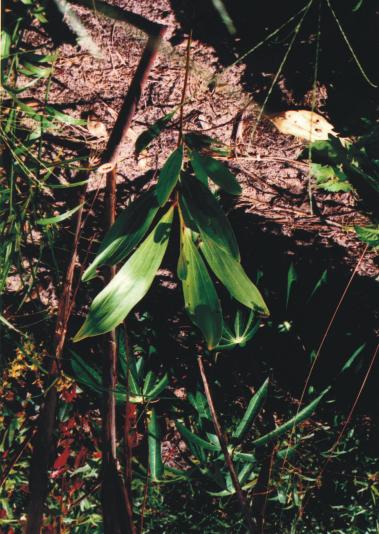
<point x="5" y="44"/>
<point x="169" y="175"/>
<point x="251" y="411"/>
<point x="148" y="382"/>
<point x="59" y="218"/>
<point x="198" y="169"/>
<point x="6" y="323"/>
<point x="85" y="374"/>
<point x="231" y="274"/>
<point x="244" y="331"/>
<point x="206" y="213"/>
<point x="125" y="234"/>
<point x="320" y="282"/>
<point x="63" y="117"/>
<point x="352" y="358"/>
<point x="203" y="143"/>
<point x="330" y="151"/>
<point x="217" y="171"/>
<point x="291" y="279"/>
<point x="291" y="423"/>
<point x="66" y="186"/>
<point x="200" y="296"/>
<point x="368" y="234"/>
<point x="225" y="17"/>
<point x="153" y="131"/>
<point x="128" y="372"/>
<point x="29" y="69"/>
<point x="130" y="285"/>
<point x="200" y="404"/>
<point x="156" y="390"/>
<point x="196" y="440"/>
<point x="154" y="444"/>
<point x="331" y="179"/>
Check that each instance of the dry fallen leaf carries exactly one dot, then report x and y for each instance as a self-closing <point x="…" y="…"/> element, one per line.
<point x="305" y="124"/>
<point x="96" y="128"/>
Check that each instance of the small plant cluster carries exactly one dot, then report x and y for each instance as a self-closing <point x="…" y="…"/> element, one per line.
<point x="205" y="234"/>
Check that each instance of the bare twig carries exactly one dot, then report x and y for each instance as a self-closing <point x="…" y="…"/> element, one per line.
<point x="224" y="447"/>
<point x="180" y="137"/>
<point x="120" y="129"/>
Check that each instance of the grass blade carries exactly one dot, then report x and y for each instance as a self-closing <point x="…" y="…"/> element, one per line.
<point x="251" y="411"/>
<point x="291" y="423"/>
<point x="59" y="218"/>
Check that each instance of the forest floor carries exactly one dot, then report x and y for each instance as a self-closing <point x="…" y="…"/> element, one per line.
<point x="276" y="196"/>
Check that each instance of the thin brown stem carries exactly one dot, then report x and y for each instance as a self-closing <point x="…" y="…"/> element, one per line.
<point x="43" y="439"/>
<point x="184" y="91"/>
<point x="224" y="447"/>
<point x="128" y="109"/>
<point x="347" y="421"/>
<point x="115" y="497"/>
<point x="325" y="335"/>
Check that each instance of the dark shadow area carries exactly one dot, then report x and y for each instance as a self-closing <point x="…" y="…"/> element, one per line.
<point x="349" y="96"/>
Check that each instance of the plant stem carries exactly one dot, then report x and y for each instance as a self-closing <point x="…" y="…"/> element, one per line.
<point x="43" y="440"/>
<point x="117" y="509"/>
<point x="121" y="127"/>
<point x="188" y="52"/>
<point x="224" y="447"/>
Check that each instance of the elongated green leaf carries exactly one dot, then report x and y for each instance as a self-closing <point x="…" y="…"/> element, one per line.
<point x="130" y="284"/>
<point x="196" y="440"/>
<point x="206" y="213"/>
<point x="154" y="443"/>
<point x="153" y="131"/>
<point x="231" y="274"/>
<point x="128" y="372"/>
<point x="59" y="218"/>
<point x="148" y="382"/>
<point x="225" y="17"/>
<point x="200" y="404"/>
<point x="217" y="172"/>
<point x="251" y="411"/>
<point x="204" y="144"/>
<point x="169" y="175"/>
<point x="6" y="323"/>
<point x="29" y="69"/>
<point x="352" y="358"/>
<point x="291" y="279"/>
<point x="200" y="296"/>
<point x="63" y="117"/>
<point x="303" y="414"/>
<point x="200" y="173"/>
<point x="86" y="374"/>
<point x="320" y="282"/>
<point x="156" y="390"/>
<point x="5" y="44"/>
<point x="66" y="186"/>
<point x="125" y="234"/>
